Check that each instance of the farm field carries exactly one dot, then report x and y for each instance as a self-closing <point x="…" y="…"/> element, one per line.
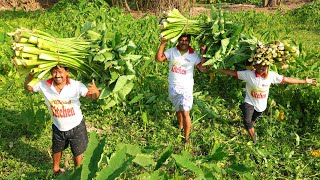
<point x="138" y="137"/>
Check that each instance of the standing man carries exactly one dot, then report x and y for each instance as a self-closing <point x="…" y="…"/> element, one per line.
<point x="61" y="96"/>
<point x="182" y="60"/>
<point x="258" y="82"/>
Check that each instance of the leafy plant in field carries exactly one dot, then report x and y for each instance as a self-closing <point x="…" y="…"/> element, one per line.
<point x="96" y="166"/>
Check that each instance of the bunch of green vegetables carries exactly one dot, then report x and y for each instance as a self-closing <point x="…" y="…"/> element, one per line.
<point x="220" y="36"/>
<point x="114" y="59"/>
<point x="40" y="51"/>
<point x="174" y="24"/>
<point x="274" y="52"/>
<point x="96" y="54"/>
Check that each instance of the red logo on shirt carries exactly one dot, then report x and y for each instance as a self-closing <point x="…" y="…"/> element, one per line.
<point x="59" y="110"/>
<point x="178" y="70"/>
<point x="258" y="95"/>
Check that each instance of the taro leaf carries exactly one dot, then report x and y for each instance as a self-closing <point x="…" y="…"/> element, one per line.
<point x="125" y="90"/>
<point x="239" y="168"/>
<point x="186" y="163"/>
<point x="117" y="38"/>
<point x="99" y="57"/>
<point x="131" y="47"/>
<point x="208" y="173"/>
<point x="136" y="99"/>
<point x="219" y="154"/>
<point x="88" y="26"/>
<point x="133" y="149"/>
<point x="130" y="67"/>
<point x="159" y="175"/>
<point x="131" y="57"/>
<point x="118" y="164"/>
<point x="122" y="80"/>
<point x="105" y="92"/>
<point x="108" y="56"/>
<point x="110" y="104"/>
<point x="114" y="76"/>
<point x="143" y="160"/>
<point x="224" y="45"/>
<point x="122" y="49"/>
<point x="92" y="156"/>
<point x="164" y="156"/>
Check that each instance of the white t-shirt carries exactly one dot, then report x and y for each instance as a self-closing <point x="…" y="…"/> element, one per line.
<point x="257" y="87"/>
<point x="64" y="107"/>
<point x="181" y="67"/>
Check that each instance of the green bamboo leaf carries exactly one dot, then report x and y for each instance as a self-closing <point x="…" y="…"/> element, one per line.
<point x="117" y="164"/>
<point x="186" y="163"/>
<point x="163" y="157"/>
<point x="92" y="156"/>
<point x="143" y="160"/>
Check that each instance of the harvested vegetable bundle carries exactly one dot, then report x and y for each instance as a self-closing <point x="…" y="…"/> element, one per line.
<point x="174" y="24"/>
<point x="220" y="36"/>
<point x="39" y="52"/>
<point x="97" y="54"/>
<point x="275" y="52"/>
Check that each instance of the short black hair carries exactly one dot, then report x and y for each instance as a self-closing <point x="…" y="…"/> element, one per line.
<point x="185" y="35"/>
<point x="58" y="66"/>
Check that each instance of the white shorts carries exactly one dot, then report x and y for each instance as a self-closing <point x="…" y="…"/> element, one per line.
<point x="181" y="98"/>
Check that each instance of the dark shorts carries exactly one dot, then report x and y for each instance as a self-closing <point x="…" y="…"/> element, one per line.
<point x="76" y="137"/>
<point x="249" y="115"/>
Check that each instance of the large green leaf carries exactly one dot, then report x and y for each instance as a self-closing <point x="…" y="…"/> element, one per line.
<point x="164" y="156"/>
<point x="132" y="57"/>
<point x="105" y="92"/>
<point x="186" y="163"/>
<point x="118" y="163"/>
<point x="122" y="80"/>
<point x="136" y="99"/>
<point x="143" y="160"/>
<point x="92" y="156"/>
<point x="133" y="149"/>
<point x="131" y="47"/>
<point x="125" y="90"/>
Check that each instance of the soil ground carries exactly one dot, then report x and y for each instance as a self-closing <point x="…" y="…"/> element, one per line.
<point x="31" y="5"/>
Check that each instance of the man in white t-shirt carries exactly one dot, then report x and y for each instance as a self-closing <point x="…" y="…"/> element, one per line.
<point x="61" y="96"/>
<point x="258" y="82"/>
<point x="182" y="60"/>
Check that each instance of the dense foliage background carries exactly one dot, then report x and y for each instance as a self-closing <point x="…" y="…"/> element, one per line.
<point x="287" y="145"/>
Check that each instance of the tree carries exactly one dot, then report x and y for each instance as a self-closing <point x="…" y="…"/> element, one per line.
<point x="271" y="3"/>
<point x="154" y="5"/>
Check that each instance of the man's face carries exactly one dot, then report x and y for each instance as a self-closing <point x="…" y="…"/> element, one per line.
<point x="260" y="68"/>
<point x="59" y="75"/>
<point x="183" y="44"/>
